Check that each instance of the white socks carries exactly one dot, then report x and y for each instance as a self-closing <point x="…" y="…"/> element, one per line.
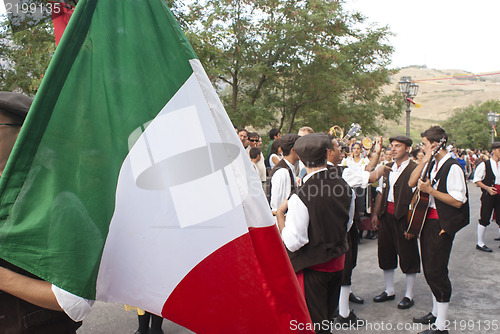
<point x="410" y="283"/>
<point x="434" y="306"/>
<point x="442" y="315"/>
<point x="344" y="311"/>
<point x="389" y="281"/>
<point x="440" y="311"/>
<point x="480" y="235"/>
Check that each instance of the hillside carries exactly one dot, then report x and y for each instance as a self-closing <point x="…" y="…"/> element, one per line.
<point x="441" y="96"/>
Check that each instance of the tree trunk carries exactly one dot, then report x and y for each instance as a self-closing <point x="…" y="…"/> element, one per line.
<point x="234" y="99"/>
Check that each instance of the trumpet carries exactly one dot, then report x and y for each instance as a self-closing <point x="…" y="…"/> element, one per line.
<point x="336" y="131"/>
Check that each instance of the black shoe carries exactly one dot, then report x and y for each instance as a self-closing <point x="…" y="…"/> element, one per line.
<point x="374" y="235"/>
<point x="433" y="331"/>
<point x="483" y="248"/>
<point x="369" y="234"/>
<point x="497" y="239"/>
<point x="355" y="299"/>
<point x="156" y="331"/>
<point x="426" y="319"/>
<point x="405" y="303"/>
<point x="383" y="297"/>
<point x="352" y="321"/>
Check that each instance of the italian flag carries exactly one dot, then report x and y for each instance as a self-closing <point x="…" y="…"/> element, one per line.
<point x="128" y="183"/>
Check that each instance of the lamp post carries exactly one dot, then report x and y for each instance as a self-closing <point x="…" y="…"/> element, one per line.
<point x="493" y="119"/>
<point x="408" y="89"/>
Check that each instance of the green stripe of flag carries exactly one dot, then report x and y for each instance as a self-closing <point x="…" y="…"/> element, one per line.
<point x="117" y="65"/>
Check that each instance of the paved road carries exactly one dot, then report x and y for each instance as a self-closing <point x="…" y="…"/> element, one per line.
<point x="474" y="307"/>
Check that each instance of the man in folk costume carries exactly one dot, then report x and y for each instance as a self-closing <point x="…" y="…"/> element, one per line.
<point x="487" y="177"/>
<point x="27" y="303"/>
<point x="448" y="213"/>
<point x="320" y="213"/>
<point x="281" y="181"/>
<point x="354" y="178"/>
<point x="391" y="207"/>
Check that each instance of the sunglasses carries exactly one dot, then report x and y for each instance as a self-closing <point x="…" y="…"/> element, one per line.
<point x="11" y="124"/>
<point x="253" y="140"/>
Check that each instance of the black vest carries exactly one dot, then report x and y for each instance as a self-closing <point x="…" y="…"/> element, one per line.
<point x="402" y="192"/>
<point x="489" y="177"/>
<point x="279" y="165"/>
<point x="451" y="219"/>
<point x="20" y="317"/>
<point x="328" y="200"/>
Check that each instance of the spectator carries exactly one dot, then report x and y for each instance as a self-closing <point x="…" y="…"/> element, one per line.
<point x="273" y="135"/>
<point x="281" y="180"/>
<point x="253" y="140"/>
<point x="243" y="134"/>
<point x="255" y="157"/>
<point x="30" y="304"/>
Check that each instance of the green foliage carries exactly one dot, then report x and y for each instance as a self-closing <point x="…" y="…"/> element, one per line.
<point x="469" y="127"/>
<point x="289" y="63"/>
<point x="275" y="63"/>
<point x="25" y="55"/>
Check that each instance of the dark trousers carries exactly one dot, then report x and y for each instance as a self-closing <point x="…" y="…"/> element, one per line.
<point x="392" y="242"/>
<point x="436" y="249"/>
<point x="322" y="291"/>
<point x="351" y="256"/>
<point x="488" y="203"/>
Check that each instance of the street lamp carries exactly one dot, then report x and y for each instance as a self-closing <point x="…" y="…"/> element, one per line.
<point x="493" y="119"/>
<point x="408" y="89"/>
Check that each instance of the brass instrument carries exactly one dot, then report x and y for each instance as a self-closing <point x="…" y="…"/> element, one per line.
<point x="367" y="143"/>
<point x="336" y="131"/>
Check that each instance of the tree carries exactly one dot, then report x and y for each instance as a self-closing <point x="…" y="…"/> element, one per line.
<point x="287" y="63"/>
<point x="469" y="127"/>
<point x="26" y="48"/>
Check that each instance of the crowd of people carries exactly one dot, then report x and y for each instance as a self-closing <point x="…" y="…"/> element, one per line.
<point x="322" y="190"/>
<point x="321" y="230"/>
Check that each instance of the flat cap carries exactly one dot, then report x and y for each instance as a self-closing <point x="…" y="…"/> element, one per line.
<point x="495" y="145"/>
<point x="312" y="148"/>
<point x="402" y="139"/>
<point x="288" y="141"/>
<point x="14" y="103"/>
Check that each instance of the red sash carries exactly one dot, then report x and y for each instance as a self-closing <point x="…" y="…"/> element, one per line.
<point x="432" y="214"/>
<point x="334" y="265"/>
<point x="390" y="208"/>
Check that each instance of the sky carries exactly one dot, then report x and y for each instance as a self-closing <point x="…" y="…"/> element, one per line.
<point x="441" y="34"/>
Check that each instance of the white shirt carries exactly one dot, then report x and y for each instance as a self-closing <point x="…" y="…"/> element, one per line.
<point x="295" y="233"/>
<point x="361" y="164"/>
<point x="393" y="177"/>
<point x="480" y="172"/>
<point x="355" y="177"/>
<point x="255" y="168"/>
<point x="271" y="163"/>
<point x="281" y="185"/>
<point x="455" y="184"/>
<point x="261" y="166"/>
<point x="77" y="308"/>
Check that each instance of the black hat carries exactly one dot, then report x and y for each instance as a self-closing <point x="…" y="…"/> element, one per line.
<point x="312" y="148"/>
<point x="402" y="139"/>
<point x="287" y="141"/>
<point x="495" y="145"/>
<point x="14" y="103"/>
